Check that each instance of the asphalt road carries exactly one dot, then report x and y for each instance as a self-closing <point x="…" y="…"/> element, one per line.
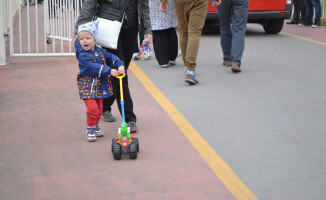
<point x="267" y="122"/>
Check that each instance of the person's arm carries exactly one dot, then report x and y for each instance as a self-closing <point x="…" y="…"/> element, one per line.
<point x="112" y="60"/>
<point x="86" y="13"/>
<point x="217" y="2"/>
<point x="145" y="17"/>
<point x="116" y="65"/>
<point x="164" y="6"/>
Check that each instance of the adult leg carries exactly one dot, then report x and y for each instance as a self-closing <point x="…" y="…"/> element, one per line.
<point x="239" y="22"/>
<point x="225" y="29"/>
<point x="181" y="11"/>
<point x="197" y="16"/>
<point x="317" y="7"/>
<point x="126" y="46"/>
<point x="302" y="11"/>
<point x="310" y="11"/>
<point x="160" y="45"/>
<point x="296" y="12"/>
<point x="107" y="103"/>
<point x="172" y="44"/>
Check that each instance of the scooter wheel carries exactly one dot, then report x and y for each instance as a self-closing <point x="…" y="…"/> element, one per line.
<point x="116" y="150"/>
<point x="137" y="143"/>
<point x="133" y="151"/>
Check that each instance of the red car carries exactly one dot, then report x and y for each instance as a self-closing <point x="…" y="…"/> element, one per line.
<point x="269" y="13"/>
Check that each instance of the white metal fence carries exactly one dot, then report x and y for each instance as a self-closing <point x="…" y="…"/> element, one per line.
<point x="43" y="28"/>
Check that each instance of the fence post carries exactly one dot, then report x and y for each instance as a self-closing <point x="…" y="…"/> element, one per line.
<point x="2" y="35"/>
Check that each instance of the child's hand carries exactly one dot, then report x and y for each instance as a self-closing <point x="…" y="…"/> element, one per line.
<point x="121" y="69"/>
<point x="114" y="72"/>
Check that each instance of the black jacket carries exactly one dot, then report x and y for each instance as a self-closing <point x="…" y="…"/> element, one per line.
<point x="131" y="15"/>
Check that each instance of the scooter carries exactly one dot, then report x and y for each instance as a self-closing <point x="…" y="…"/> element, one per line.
<point x="124" y="142"/>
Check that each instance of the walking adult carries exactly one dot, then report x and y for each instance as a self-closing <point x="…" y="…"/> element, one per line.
<point x="126" y="46"/>
<point x="299" y="13"/>
<point x="165" y="39"/>
<point x="191" y="15"/>
<point x="233" y="16"/>
<point x="313" y="5"/>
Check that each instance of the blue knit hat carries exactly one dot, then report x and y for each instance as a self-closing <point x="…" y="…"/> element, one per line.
<point x="90" y="27"/>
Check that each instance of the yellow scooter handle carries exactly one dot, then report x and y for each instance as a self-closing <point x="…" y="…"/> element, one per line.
<point x="120" y="81"/>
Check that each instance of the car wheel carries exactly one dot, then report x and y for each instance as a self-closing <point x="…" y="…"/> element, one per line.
<point x="273" y="26"/>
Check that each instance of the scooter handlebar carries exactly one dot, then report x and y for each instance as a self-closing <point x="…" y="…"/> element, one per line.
<point x="121" y="76"/>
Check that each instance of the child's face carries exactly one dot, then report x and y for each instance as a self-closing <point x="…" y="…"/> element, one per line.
<point x="86" y="40"/>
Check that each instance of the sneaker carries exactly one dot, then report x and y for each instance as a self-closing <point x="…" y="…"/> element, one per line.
<point x="132" y="126"/>
<point x="172" y="62"/>
<point x="316" y="25"/>
<point x="304" y="24"/>
<point x="191" y="78"/>
<point x="91" y="134"/>
<point x="135" y="56"/>
<point x="98" y="131"/>
<point x="107" y="116"/>
<point x="226" y="63"/>
<point x="235" y="67"/>
<point x="164" y="66"/>
<point x="292" y="22"/>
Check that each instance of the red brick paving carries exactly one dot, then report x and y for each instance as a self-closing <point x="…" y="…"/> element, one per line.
<point x="44" y="153"/>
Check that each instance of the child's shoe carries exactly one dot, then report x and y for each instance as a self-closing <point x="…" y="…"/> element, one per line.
<point x="98" y="131"/>
<point x="91" y="134"/>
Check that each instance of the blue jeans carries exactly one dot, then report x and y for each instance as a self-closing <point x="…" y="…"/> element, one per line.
<point x="311" y="4"/>
<point x="233" y="16"/>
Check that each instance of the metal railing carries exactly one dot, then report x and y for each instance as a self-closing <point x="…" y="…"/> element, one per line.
<point x="42" y="29"/>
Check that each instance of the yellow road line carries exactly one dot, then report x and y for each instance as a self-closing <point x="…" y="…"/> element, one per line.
<point x="222" y="170"/>
<point x="293" y="35"/>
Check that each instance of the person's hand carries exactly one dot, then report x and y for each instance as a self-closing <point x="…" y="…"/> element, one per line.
<point x="74" y="37"/>
<point x="121" y="69"/>
<point x="114" y="72"/>
<point x="164" y="7"/>
<point x="149" y="38"/>
<point x="217" y="2"/>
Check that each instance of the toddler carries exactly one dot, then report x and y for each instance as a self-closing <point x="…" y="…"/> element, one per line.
<point x="95" y="65"/>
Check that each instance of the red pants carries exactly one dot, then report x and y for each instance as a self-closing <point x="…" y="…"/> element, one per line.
<point x="94" y="110"/>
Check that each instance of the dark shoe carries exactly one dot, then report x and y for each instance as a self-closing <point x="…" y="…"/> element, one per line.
<point x="316" y="25"/>
<point x="172" y="62"/>
<point x="304" y="24"/>
<point x="191" y="78"/>
<point x="107" y="116"/>
<point x="235" y="67"/>
<point x="132" y="126"/>
<point x="226" y="63"/>
<point x="292" y="22"/>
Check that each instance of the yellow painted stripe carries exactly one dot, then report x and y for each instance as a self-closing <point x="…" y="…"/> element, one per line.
<point x="222" y="170"/>
<point x="293" y="35"/>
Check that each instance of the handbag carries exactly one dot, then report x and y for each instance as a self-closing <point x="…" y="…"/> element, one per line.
<point x="110" y="22"/>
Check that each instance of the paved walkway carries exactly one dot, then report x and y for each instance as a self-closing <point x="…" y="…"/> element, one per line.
<point x="44" y="153"/>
